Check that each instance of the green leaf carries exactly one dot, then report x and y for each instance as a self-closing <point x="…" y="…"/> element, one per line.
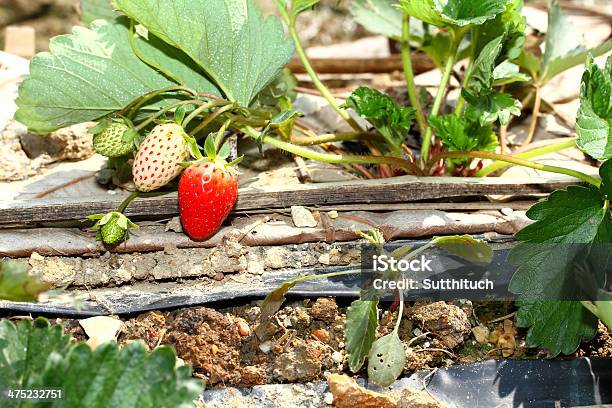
<point x="299" y="6"/>
<point x="508" y="73"/>
<point x="459" y="134"/>
<point x="378" y="16"/>
<point x="557" y="326"/>
<point x="283" y="87"/>
<point x="25" y="348"/>
<point x="453" y="13"/>
<point x="386" y="360"/>
<point x="510" y="25"/>
<point x="546" y="261"/>
<point x="17" y="285"/>
<point x="391" y="120"/>
<point x="232" y="42"/>
<point x="209" y="146"/>
<point x="564" y="49"/>
<point x="491" y="108"/>
<point x="87" y="75"/>
<point x="594" y="120"/>
<point x="530" y="63"/>
<point x="360" y="331"/>
<point x="36" y="355"/>
<point x="481" y="76"/>
<point x="92" y="10"/>
<point x="109" y="377"/>
<point x="467" y="247"/>
<point x="605" y="172"/>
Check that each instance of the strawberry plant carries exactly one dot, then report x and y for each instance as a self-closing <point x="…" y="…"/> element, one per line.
<point x="37" y="355"/>
<point x="158" y="85"/>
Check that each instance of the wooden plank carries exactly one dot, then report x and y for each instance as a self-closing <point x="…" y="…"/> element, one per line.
<point x="392" y="190"/>
<point x="420" y="62"/>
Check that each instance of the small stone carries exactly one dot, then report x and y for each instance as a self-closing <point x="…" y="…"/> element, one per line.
<point x="265" y="347"/>
<point x="333" y="214"/>
<point x="506" y="211"/>
<point x="411" y="398"/>
<point x="324" y="259"/>
<point x="328" y="398"/>
<point x="219" y="276"/>
<point x="348" y="394"/>
<point x="214" y="349"/>
<point x="481" y="334"/>
<point x="337" y="357"/>
<point x="321" y="334"/>
<point x="36" y="257"/>
<point x="302" y="217"/>
<point x="101" y="329"/>
<point x="243" y="328"/>
<point x="324" y="309"/>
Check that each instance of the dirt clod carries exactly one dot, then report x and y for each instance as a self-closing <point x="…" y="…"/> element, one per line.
<point x="348" y="394"/>
<point x="324" y="309"/>
<point x="301" y="364"/>
<point x="448" y="323"/>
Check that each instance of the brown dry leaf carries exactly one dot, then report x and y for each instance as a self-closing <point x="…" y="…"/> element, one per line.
<point x="504" y="337"/>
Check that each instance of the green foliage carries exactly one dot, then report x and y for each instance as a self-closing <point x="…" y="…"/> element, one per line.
<point x="557" y="326"/>
<point x="594" y="121"/>
<point x="496" y="106"/>
<point x="548" y="257"/>
<point x="360" y="331"/>
<point x="36" y="355"/>
<point x="453" y="13"/>
<point x="510" y="25"/>
<point x="378" y="16"/>
<point x="391" y="120"/>
<point x="17" y="285"/>
<point x="386" y="360"/>
<point x="481" y="78"/>
<point x="459" y="134"/>
<point x="237" y="48"/>
<point x="466" y="247"/>
<point x="65" y="86"/>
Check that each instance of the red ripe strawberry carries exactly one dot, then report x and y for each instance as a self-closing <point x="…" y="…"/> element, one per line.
<point x="159" y="156"/>
<point x="207" y="192"/>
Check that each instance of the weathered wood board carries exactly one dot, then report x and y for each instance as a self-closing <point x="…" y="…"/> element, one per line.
<point x="394" y="190"/>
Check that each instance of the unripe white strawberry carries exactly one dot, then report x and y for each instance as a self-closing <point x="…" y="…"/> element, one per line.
<point x="159" y="156"/>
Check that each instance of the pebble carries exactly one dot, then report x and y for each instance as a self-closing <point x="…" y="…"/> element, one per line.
<point x="329" y="398"/>
<point x="302" y="217"/>
<point x="266" y="347"/>
<point x="333" y="214"/>
<point x="337" y="357"/>
<point x="243" y="328"/>
<point x="506" y="211"/>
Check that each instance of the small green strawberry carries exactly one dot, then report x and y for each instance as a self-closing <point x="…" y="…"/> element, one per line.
<point x="113" y="138"/>
<point x="159" y="157"/>
<point x="112" y="228"/>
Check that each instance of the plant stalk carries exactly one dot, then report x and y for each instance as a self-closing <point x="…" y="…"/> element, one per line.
<point x="485" y="171"/>
<point x="127" y="201"/>
<point x="201" y="109"/>
<point x="537" y="103"/>
<point x="519" y="162"/>
<point x="164" y="110"/>
<point x="409" y="75"/>
<point x="411" y="168"/>
<point x="331" y="138"/>
<point x="323" y="90"/>
<point x="450" y="63"/>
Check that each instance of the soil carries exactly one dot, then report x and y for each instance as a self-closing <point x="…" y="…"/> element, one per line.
<point x="304" y="341"/>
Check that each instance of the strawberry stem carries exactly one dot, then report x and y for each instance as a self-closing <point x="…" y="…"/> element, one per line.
<point x="221" y="134"/>
<point x="201" y="109"/>
<point x="159" y="113"/>
<point x="138" y="102"/>
<point x="408" y="166"/>
<point x="210" y="118"/>
<point x="517" y="161"/>
<point x="127" y="201"/>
